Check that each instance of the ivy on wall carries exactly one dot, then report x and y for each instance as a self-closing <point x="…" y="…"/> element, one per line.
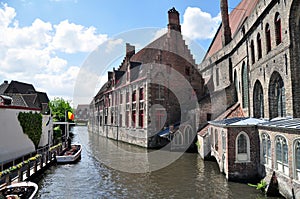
<point x="32" y="126"/>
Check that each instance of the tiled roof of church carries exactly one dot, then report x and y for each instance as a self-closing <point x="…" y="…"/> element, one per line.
<point x="236" y="18"/>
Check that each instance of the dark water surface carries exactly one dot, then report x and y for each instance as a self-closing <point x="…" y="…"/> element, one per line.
<point x="187" y="177"/>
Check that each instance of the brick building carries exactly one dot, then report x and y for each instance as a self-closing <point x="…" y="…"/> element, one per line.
<point x="151" y="93"/>
<point x="255" y="57"/>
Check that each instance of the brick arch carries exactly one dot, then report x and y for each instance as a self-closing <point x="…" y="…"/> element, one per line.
<point x="277" y="106"/>
<point x="258" y="100"/>
<point x="294" y="30"/>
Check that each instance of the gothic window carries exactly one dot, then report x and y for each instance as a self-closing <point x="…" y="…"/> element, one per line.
<point x="278" y="28"/>
<point x="268" y="38"/>
<point x="259" y="51"/>
<point x="242" y="147"/>
<point x="266" y="149"/>
<point x="252" y="52"/>
<point x="258" y="100"/>
<point x="281" y="154"/>
<point x="160" y="92"/>
<point x="297" y="158"/>
<point x="245" y="85"/>
<point x="276" y="96"/>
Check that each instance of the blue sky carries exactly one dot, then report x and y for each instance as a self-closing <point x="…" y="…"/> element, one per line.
<point x="45" y="42"/>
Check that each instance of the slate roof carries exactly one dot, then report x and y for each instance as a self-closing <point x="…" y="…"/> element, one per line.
<point x="237" y="121"/>
<point x="287" y="123"/>
<point x="20" y="87"/>
<point x="236" y="18"/>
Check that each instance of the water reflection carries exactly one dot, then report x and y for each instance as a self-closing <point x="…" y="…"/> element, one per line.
<point x="187" y="177"/>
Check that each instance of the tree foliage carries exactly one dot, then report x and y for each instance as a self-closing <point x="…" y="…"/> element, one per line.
<point x="59" y="108"/>
<point x="32" y="126"/>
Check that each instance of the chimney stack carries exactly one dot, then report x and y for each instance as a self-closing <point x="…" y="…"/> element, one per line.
<point x="226" y="36"/>
<point x="174" y="23"/>
<point x="130" y="50"/>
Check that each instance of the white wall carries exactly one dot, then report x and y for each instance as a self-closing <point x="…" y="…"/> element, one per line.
<point x="13" y="142"/>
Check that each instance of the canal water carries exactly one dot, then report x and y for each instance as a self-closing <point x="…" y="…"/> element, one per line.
<point x="93" y="177"/>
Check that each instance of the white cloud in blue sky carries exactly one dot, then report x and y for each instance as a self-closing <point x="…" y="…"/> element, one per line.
<point x="198" y="24"/>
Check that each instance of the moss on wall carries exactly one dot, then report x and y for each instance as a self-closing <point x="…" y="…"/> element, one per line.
<point x="32" y="126"/>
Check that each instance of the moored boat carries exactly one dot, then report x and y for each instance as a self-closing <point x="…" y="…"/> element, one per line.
<point x="70" y="154"/>
<point x="20" y="190"/>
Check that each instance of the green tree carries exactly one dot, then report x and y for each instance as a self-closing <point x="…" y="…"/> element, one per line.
<point x="59" y="108"/>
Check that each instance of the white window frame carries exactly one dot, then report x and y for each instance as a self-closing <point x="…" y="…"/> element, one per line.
<point x="242" y="157"/>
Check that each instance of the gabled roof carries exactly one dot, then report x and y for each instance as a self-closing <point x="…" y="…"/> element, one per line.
<point x="236" y="18"/>
<point x="168" y="42"/>
<point x="3" y="87"/>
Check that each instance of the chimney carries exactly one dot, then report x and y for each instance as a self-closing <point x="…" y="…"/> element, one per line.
<point x="130" y="50"/>
<point x="174" y="23"/>
<point x="226" y="36"/>
<point x="5" y="82"/>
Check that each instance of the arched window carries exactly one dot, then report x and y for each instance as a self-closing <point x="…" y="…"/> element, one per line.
<point x="252" y="52"/>
<point x="297" y="158"/>
<point x="216" y="139"/>
<point x="245" y="85"/>
<point x="268" y="38"/>
<point x="278" y="28"/>
<point x="266" y="149"/>
<point x="258" y="100"/>
<point x="281" y="154"/>
<point x="242" y="146"/>
<point x="259" y="51"/>
<point x="277" y="106"/>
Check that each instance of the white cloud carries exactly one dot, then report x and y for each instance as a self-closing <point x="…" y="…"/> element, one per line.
<point x="72" y="38"/>
<point x="198" y="24"/>
<point x="35" y="54"/>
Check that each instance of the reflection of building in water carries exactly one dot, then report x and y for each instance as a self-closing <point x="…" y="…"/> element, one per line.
<point x="252" y="70"/>
<point x="150" y="93"/>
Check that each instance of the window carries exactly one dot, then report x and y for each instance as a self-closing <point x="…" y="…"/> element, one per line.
<point x="245" y="85"/>
<point x="281" y="155"/>
<point x="134" y="96"/>
<point x="259" y="51"/>
<point x="133" y="118"/>
<point x="258" y="100"/>
<point x="252" y="52"/>
<point x="297" y="159"/>
<point x="278" y="29"/>
<point x="266" y="149"/>
<point x="242" y="147"/>
<point x="141" y="92"/>
<point x="268" y="38"/>
<point x="141" y="118"/>
<point x="277" y="107"/>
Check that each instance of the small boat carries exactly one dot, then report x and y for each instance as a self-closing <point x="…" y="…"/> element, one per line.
<point x="20" y="190"/>
<point x="70" y="155"/>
